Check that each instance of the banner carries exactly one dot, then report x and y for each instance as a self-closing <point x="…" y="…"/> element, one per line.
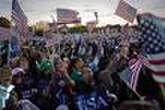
<point x="126" y="11"/>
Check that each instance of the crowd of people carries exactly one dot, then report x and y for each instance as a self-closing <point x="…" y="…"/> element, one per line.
<point x="75" y="71"/>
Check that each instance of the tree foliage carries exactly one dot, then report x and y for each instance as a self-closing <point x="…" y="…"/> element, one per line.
<point x="77" y="29"/>
<point x="39" y="32"/>
<point x="4" y="22"/>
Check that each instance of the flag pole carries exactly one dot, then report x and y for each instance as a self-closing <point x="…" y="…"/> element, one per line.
<point x="137" y="94"/>
<point x="96" y="16"/>
<point x="9" y="51"/>
<point x="163" y="91"/>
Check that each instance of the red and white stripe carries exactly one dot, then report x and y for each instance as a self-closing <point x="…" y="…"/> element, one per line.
<point x="4" y="33"/>
<point x="157" y="65"/>
<point x="19" y="18"/>
<point x="135" y="66"/>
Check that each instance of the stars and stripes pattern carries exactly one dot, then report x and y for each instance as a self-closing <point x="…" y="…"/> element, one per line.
<point x="67" y="16"/>
<point x="19" y="18"/>
<point x="154" y="45"/>
<point x="135" y="66"/>
<point x="126" y="11"/>
<point x="4" y="33"/>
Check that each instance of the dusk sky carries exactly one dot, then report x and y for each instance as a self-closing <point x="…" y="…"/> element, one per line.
<point x="37" y="10"/>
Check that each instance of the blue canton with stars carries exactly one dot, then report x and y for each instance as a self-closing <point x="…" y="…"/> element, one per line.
<point x="149" y="33"/>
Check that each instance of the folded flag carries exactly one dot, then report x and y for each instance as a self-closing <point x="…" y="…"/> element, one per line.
<point x="154" y="44"/>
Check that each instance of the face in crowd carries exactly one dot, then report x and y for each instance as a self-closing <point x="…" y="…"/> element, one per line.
<point x="61" y="65"/>
<point x="87" y="75"/>
<point x="17" y="76"/>
<point x="79" y="64"/>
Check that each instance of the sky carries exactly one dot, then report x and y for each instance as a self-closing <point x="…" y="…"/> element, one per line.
<point x="42" y="10"/>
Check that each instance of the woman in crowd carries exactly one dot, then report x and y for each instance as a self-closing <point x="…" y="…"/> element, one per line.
<point x="61" y="84"/>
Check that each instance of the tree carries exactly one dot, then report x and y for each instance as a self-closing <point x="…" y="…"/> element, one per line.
<point x="77" y="29"/>
<point x="4" y="22"/>
<point x="39" y="32"/>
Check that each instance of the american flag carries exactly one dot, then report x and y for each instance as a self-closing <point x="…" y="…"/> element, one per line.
<point x="154" y="45"/>
<point x="4" y="33"/>
<point x="135" y="66"/>
<point x="19" y="18"/>
<point x="67" y="16"/>
<point x="126" y="11"/>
